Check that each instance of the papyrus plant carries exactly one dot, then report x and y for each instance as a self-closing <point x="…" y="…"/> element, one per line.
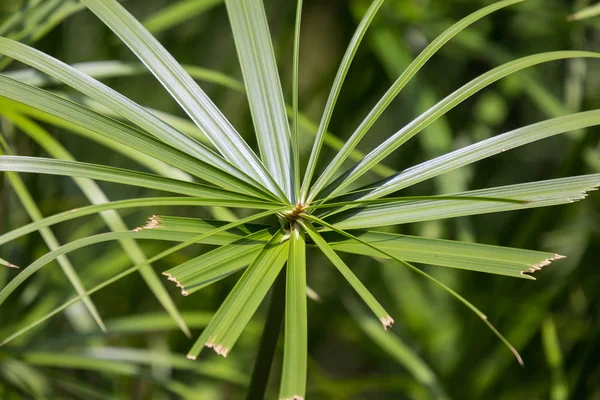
<point x="323" y="212"/>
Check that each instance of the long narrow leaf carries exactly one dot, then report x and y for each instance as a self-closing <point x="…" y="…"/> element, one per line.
<point x="397" y="87"/>
<point x="383" y="316"/>
<point x="243" y="300"/>
<point x="116" y="102"/>
<point x="295" y="73"/>
<point x="460" y="298"/>
<point x="448" y="253"/>
<point x="293" y="376"/>
<point x="110" y="174"/>
<point x="44" y="260"/>
<point x="334" y="93"/>
<point x="124" y="134"/>
<point x="177" y="13"/>
<point x="536" y="194"/>
<point x="183" y="88"/>
<point x="445" y="105"/>
<point x="125" y="204"/>
<point x="207" y="268"/>
<point x="485" y="148"/>
<point x="263" y="87"/>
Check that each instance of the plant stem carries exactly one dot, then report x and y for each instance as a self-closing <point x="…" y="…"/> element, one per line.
<point x="268" y="341"/>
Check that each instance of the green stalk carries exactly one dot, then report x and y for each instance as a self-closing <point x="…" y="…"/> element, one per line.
<point x="268" y="341"/>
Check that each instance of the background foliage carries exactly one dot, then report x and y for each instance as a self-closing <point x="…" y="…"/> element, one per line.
<point x="554" y="322"/>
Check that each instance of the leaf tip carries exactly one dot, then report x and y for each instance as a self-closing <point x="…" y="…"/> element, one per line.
<point x="152" y="223"/>
<point x="387" y="322"/>
<point x="179" y="285"/>
<point x="541" y="264"/>
<point x="294" y="397"/>
<point x="191" y="357"/>
<point x="218" y="348"/>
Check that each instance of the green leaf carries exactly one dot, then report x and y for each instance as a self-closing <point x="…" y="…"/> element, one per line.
<point x="118" y="103"/>
<point x="7" y="264"/>
<point x="112" y="219"/>
<point x="352" y="279"/>
<point x="485" y="148"/>
<point x="243" y="300"/>
<point x="8" y="106"/>
<point x="536" y="194"/>
<point x="295" y="116"/>
<point x="587" y="12"/>
<point x="397" y="87"/>
<point x="114" y="69"/>
<point x="559" y="389"/>
<point x="118" y="175"/>
<point x="445" y="105"/>
<point x="131" y="203"/>
<point x="400" y="351"/>
<point x="183" y="89"/>
<point x="125" y="135"/>
<point x="125" y="360"/>
<point x="468" y="304"/>
<point x="293" y="376"/>
<point x="177" y="13"/>
<point x="34" y="267"/>
<point x="263" y="87"/>
<point x="210" y="267"/>
<point x="334" y="93"/>
<point x="447" y="253"/>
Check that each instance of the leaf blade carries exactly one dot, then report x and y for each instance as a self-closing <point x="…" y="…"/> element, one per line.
<point x="263" y="87"/>
<point x="182" y="87"/>
<point x="293" y="375"/>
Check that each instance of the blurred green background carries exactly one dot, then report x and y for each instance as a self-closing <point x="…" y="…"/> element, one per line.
<point x="554" y="321"/>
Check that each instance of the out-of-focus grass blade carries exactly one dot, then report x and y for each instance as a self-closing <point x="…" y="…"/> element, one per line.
<point x="31" y="24"/>
<point x="110" y="174"/>
<point x="536" y="194"/>
<point x="125" y="204"/>
<point x="210" y="267"/>
<point x="27" y="272"/>
<point x="52" y="242"/>
<point x="398" y="85"/>
<point x="334" y="93"/>
<point x="263" y="87"/>
<point x="110" y="360"/>
<point x="243" y="300"/>
<point x="448" y="253"/>
<point x="183" y="89"/>
<point x="399" y="351"/>
<point x="383" y="316"/>
<point x="124" y="134"/>
<point x="587" y="12"/>
<point x="118" y="103"/>
<point x="559" y="388"/>
<point x="293" y="376"/>
<point x="485" y="148"/>
<point x="25" y="377"/>
<point x="115" y="69"/>
<point x="177" y="13"/>
<point x="445" y="105"/>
